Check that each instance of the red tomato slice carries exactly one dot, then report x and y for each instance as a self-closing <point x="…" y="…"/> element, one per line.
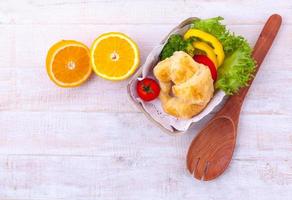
<point x="206" y="61"/>
<point x="148" y="89"/>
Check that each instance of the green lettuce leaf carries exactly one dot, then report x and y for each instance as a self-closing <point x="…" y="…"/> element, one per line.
<point x="236" y="70"/>
<point x="238" y="66"/>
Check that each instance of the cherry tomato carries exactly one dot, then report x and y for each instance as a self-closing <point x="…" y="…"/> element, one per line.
<point x="206" y="61"/>
<point x="148" y="89"/>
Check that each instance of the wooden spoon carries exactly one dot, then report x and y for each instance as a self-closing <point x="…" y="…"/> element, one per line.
<point x="211" y="151"/>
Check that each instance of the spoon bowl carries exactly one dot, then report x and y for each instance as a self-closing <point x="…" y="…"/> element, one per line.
<point x="207" y="159"/>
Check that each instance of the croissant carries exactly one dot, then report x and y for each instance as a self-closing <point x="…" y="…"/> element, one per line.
<point x="186" y="86"/>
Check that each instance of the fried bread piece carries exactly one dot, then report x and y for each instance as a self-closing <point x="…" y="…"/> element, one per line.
<point x="186" y="86"/>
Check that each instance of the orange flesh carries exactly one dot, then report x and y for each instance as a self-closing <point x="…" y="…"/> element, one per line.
<point x="71" y="64"/>
<point x="114" y="56"/>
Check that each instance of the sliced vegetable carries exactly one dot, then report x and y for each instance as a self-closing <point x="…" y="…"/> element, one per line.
<point x="208" y="50"/>
<point x="238" y="65"/>
<point x="229" y="41"/>
<point x="218" y="49"/>
<point x="148" y="89"/>
<point x="208" y="62"/>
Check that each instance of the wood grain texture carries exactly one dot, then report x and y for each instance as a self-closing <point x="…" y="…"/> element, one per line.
<point x="45" y="96"/>
<point x="138" y="11"/>
<point x="91" y="143"/>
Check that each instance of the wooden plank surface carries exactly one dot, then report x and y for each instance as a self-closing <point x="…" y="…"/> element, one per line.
<point x="91" y="143"/>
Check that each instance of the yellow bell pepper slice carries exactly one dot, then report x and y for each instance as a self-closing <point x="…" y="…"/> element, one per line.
<point x="218" y="48"/>
<point x="208" y="50"/>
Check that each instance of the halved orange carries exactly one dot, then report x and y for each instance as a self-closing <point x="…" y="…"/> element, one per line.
<point x="68" y="63"/>
<point x="114" y="56"/>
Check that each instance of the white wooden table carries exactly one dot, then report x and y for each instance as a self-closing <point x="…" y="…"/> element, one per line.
<point x="91" y="143"/>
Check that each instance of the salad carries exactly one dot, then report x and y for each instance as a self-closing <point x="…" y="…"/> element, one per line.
<point x="209" y="40"/>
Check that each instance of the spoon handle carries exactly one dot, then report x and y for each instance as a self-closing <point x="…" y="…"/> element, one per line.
<point x="233" y="104"/>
